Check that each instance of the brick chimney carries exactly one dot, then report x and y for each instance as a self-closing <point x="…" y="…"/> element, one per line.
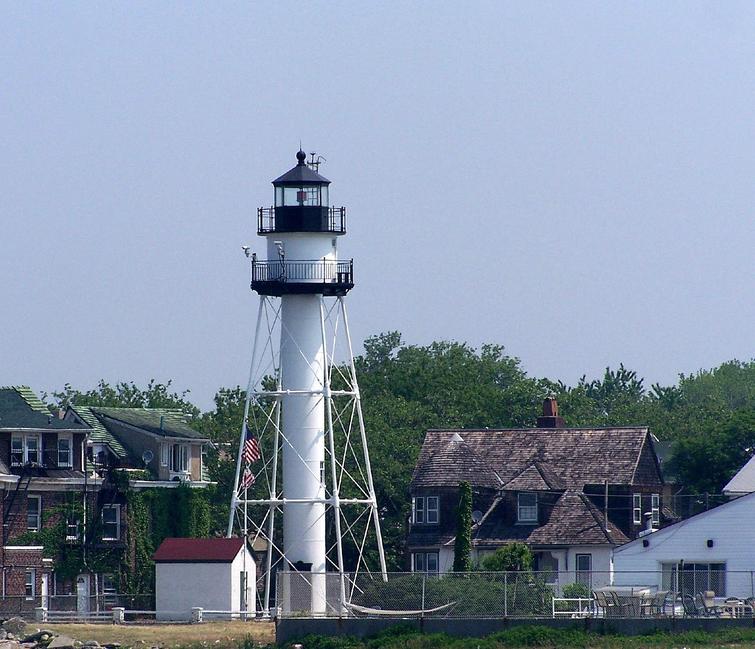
<point x="550" y="418"/>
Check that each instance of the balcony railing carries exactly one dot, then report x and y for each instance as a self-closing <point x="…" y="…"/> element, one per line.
<point x="301" y="219"/>
<point x="329" y="277"/>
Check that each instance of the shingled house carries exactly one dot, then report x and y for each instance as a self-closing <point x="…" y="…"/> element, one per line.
<point x="55" y="468"/>
<point x="571" y="494"/>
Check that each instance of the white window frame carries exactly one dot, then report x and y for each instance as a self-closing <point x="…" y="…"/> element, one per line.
<point x="20" y="449"/>
<point x="165" y="454"/>
<point x="655" y="509"/>
<point x="72" y="523"/>
<point x="38" y="450"/>
<point x="582" y="575"/>
<point x="30" y="585"/>
<point x="38" y="525"/>
<point x="432" y="510"/>
<point x="421" y="562"/>
<point x="66" y="438"/>
<point x="526" y="513"/>
<point x="637" y="509"/>
<point x="418" y="510"/>
<point x="117" y="508"/>
<point x="183" y="457"/>
<point x="25" y="448"/>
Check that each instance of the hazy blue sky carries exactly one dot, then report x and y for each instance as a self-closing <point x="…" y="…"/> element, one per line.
<point x="574" y="181"/>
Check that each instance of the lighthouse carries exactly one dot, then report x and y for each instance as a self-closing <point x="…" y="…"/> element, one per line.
<point x="303" y="452"/>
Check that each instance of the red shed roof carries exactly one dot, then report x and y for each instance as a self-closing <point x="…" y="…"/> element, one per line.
<point x="198" y="550"/>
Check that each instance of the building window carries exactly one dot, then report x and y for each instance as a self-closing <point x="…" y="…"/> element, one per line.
<point x="17" y="450"/>
<point x="165" y="454"/>
<point x="109" y="589"/>
<point x="30" y="583"/>
<point x="693" y="578"/>
<point x="418" y="507"/>
<point x="426" y="509"/>
<point x="637" y="509"/>
<point x="33" y="513"/>
<point x="111" y="522"/>
<point x="64" y="452"/>
<point x="24" y="449"/>
<point x="32" y="449"/>
<point x="432" y="509"/>
<point x="72" y="528"/>
<point x="180" y="458"/>
<point x="425" y="561"/>
<point x="584" y="569"/>
<point x="655" y="509"/>
<point x="527" y="508"/>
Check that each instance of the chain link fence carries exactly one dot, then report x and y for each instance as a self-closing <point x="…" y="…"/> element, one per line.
<point x="672" y="592"/>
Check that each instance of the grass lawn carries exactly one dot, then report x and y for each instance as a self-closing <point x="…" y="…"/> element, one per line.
<point x="169" y="636"/>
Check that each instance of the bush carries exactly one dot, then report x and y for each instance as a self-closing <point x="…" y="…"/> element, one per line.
<point x="575" y="590"/>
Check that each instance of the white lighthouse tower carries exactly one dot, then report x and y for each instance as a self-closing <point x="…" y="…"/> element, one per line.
<point x="303" y="448"/>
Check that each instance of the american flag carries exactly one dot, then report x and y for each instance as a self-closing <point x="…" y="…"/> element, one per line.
<point x="251" y="452"/>
<point x="247" y="479"/>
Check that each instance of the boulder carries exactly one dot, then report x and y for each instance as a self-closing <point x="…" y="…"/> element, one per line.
<point x="15" y="625"/>
<point x="62" y="642"/>
<point x="9" y="644"/>
<point x="2" y="633"/>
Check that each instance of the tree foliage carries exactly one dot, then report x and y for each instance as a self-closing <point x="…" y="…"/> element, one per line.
<point x="512" y="557"/>
<point x="408" y="389"/>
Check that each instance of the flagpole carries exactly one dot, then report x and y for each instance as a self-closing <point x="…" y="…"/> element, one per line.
<point x="244" y="596"/>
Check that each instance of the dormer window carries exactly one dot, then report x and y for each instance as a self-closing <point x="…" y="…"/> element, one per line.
<point x="425" y="510"/>
<point x="526" y="508"/>
<point x="24" y="449"/>
<point x="65" y="458"/>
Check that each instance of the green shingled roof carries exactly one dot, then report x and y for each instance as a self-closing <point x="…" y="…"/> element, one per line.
<point x="99" y="434"/>
<point x="164" y="422"/>
<point x="21" y="408"/>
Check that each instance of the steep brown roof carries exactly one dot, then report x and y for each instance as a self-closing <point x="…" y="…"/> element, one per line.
<point x="536" y="477"/>
<point x="179" y="550"/>
<point x="573" y="520"/>
<point x="577" y="456"/>
<point x="454" y="461"/>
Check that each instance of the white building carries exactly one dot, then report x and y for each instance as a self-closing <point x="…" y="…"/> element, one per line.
<point x="743" y="482"/>
<point x="714" y="550"/>
<point x="214" y="574"/>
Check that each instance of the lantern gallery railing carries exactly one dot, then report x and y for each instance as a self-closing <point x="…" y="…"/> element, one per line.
<point x="329" y="277"/>
<point x="301" y="219"/>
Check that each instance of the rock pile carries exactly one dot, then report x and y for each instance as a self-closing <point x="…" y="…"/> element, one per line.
<point x="15" y="633"/>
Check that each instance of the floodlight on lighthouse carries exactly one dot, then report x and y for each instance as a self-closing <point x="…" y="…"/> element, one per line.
<point x="308" y="496"/>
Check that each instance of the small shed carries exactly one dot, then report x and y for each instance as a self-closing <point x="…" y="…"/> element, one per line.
<point x="214" y="574"/>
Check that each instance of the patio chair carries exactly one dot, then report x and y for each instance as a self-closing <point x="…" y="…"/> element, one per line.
<point x="604" y="603"/>
<point x="705" y="610"/>
<point x="623" y="609"/>
<point x="688" y="603"/>
<point x="655" y="606"/>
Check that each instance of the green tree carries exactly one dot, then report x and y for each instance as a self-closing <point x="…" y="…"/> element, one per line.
<point x="463" y="543"/>
<point x="125" y="394"/>
<point x="512" y="557"/>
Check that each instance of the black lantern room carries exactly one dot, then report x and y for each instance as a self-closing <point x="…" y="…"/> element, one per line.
<point x="301" y="204"/>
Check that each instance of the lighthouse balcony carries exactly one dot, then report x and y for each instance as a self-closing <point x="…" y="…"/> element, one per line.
<point x="303" y="276"/>
<point x="301" y="218"/>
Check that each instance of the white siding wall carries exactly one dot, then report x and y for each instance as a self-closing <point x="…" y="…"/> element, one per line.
<point x="181" y="586"/>
<point x="731" y="527"/>
<point x="601" y="564"/>
<point x="237" y="567"/>
<point x="446" y="560"/>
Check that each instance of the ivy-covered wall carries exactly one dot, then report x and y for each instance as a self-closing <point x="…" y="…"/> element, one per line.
<point x="149" y="516"/>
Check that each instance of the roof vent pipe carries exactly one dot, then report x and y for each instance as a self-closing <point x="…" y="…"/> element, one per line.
<point x="162" y="422"/>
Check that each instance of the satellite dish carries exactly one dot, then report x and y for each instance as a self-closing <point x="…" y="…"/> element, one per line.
<point x="476" y="516"/>
<point x="147" y="456"/>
